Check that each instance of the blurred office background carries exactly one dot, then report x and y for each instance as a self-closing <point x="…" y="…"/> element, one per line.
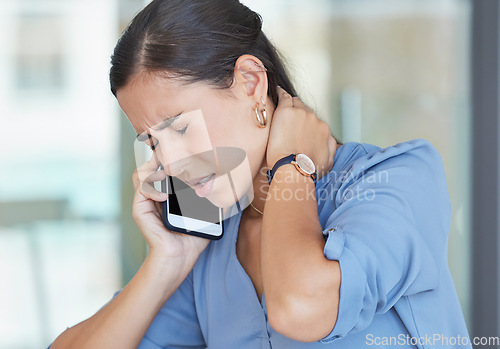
<point x="378" y="71"/>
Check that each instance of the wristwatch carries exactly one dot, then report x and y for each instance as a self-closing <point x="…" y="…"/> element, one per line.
<point x="302" y="163"/>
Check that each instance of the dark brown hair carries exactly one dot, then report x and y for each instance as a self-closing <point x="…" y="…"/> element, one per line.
<point x="195" y="40"/>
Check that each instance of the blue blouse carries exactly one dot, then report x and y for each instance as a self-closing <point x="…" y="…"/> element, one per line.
<point x="385" y="214"/>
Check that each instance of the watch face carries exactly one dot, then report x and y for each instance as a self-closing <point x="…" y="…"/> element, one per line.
<point x="305" y="163"/>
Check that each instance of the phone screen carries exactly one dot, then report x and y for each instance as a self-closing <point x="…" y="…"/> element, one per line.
<point x="183" y="201"/>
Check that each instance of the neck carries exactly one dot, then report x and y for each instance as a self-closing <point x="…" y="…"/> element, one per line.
<point x="260" y="188"/>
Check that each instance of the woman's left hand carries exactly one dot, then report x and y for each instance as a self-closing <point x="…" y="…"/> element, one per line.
<point x="296" y="129"/>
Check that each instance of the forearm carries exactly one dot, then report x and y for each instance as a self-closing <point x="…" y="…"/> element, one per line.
<point x="299" y="282"/>
<point x="123" y="322"/>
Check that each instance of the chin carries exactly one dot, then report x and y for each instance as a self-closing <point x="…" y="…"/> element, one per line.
<point x="223" y="196"/>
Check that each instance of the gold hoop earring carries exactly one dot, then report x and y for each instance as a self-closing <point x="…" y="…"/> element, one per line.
<point x="261" y="120"/>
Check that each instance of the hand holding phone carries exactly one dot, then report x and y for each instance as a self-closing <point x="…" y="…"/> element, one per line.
<point x="147" y="213"/>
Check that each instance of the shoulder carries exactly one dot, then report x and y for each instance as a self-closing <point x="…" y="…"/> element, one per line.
<point x="410" y="173"/>
<point x="355" y="159"/>
<point x="415" y="151"/>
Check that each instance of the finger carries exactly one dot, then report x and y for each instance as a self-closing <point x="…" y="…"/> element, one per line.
<point x="151" y="165"/>
<point x="149" y="192"/>
<point x="146" y="170"/>
<point x="143" y="207"/>
<point x="135" y="179"/>
<point x="140" y="179"/>
<point x="284" y="98"/>
<point x="156" y="176"/>
<point x="309" y="110"/>
<point x="158" y="206"/>
<point x="297" y="103"/>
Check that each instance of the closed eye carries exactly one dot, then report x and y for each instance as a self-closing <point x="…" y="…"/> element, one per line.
<point x="143" y="137"/>
<point x="182" y="131"/>
<point x="153" y="143"/>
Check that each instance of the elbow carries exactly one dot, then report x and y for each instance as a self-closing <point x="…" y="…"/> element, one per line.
<point x="307" y="310"/>
<point x="306" y="316"/>
<point x="303" y="320"/>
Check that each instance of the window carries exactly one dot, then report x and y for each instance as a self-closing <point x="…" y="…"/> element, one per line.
<point x="39" y="55"/>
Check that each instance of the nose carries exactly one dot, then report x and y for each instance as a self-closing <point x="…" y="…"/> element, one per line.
<point x="177" y="168"/>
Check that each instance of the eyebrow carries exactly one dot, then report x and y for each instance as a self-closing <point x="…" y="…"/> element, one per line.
<point x="164" y="124"/>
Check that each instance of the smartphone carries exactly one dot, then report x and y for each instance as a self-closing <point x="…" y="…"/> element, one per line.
<point x="187" y="213"/>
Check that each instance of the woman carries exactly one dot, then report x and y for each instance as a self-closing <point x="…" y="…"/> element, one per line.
<point x="352" y="256"/>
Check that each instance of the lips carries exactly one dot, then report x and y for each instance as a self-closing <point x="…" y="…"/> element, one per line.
<point x="204" y="186"/>
<point x="199" y="180"/>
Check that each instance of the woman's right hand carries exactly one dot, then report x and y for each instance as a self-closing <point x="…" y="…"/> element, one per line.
<point x="146" y="211"/>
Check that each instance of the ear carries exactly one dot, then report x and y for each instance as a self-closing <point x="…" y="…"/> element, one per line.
<point x="251" y="77"/>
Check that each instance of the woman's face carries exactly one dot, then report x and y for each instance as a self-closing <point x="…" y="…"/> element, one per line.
<point x="186" y="122"/>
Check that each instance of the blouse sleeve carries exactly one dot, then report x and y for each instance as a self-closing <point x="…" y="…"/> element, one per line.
<point x="388" y="232"/>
